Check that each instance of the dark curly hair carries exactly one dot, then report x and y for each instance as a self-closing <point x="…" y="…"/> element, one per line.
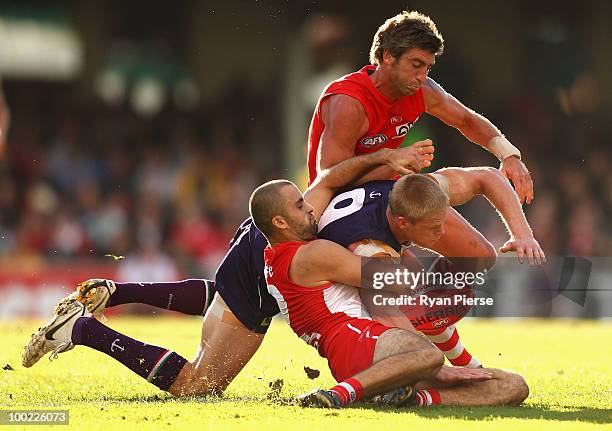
<point x="404" y="31"/>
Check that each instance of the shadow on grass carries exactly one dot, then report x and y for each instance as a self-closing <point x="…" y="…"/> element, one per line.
<point x="573" y="413"/>
<point x="167" y="398"/>
<point x="570" y="413"/>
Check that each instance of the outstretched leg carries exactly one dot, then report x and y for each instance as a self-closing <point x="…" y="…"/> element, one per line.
<point x="192" y="296"/>
<point x="225" y="348"/>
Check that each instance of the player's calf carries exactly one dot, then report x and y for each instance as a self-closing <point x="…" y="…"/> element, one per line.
<point x="192" y="296"/>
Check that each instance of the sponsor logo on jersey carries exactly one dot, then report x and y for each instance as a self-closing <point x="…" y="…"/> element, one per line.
<point x="440" y="323"/>
<point x="402" y="129"/>
<point x="396" y="119"/>
<point x="373" y="141"/>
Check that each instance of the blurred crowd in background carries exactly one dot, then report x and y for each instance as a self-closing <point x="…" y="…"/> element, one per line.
<point x="82" y="179"/>
<point x="168" y="192"/>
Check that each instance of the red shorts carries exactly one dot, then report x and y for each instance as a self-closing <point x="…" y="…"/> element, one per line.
<point x="351" y="349"/>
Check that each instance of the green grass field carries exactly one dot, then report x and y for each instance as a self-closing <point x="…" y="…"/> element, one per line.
<point x="566" y="363"/>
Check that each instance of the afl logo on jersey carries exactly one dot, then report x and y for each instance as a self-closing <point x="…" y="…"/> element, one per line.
<point x="396" y="119"/>
<point x="373" y="141"/>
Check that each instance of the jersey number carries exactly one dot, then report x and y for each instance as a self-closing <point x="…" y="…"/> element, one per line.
<point x="331" y="214"/>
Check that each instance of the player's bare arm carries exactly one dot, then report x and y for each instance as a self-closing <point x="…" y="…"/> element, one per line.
<point x="320" y="261"/>
<point x="481" y="131"/>
<point x="345" y="122"/>
<point x="347" y="172"/>
<point x="462" y="184"/>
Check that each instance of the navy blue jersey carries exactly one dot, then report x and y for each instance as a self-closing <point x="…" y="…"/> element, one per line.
<point x="359" y="214"/>
<point x="351" y="216"/>
<point x="241" y="282"/>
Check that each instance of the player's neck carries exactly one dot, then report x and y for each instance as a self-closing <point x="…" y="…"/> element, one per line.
<point x="399" y="235"/>
<point x="285" y="237"/>
<point x="383" y="84"/>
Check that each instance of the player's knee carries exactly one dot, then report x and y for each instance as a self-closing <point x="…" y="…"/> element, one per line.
<point x="520" y="389"/>
<point x="434" y="358"/>
<point x="514" y="389"/>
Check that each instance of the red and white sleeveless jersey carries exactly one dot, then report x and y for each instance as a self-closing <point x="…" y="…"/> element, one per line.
<point x="389" y="121"/>
<point x="314" y="313"/>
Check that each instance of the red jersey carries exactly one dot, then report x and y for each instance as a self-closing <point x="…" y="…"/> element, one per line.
<point x="315" y="314"/>
<point x="389" y="121"/>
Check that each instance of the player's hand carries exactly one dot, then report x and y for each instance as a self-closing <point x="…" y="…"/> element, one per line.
<point x="525" y="247"/>
<point x="516" y="171"/>
<point x="413" y="158"/>
<point x="459" y="374"/>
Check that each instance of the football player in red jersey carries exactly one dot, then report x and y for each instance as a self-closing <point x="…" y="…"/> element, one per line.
<point x="312" y="281"/>
<point x="375" y="108"/>
<point x="226" y="343"/>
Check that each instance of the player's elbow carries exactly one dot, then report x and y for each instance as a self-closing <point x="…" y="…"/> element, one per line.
<point x="488" y="257"/>
<point x="489" y="177"/>
<point x="483" y="254"/>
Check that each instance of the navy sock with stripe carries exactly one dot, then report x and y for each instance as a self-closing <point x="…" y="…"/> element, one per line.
<point x="157" y="365"/>
<point x="191" y="296"/>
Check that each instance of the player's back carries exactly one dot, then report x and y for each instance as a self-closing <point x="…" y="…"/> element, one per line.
<point x="241" y="282"/>
<point x="357" y="214"/>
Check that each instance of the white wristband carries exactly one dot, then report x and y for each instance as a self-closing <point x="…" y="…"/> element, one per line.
<point x="502" y="148"/>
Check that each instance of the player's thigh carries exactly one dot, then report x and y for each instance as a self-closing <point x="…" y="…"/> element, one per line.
<point x="226" y="346"/>
<point x="460" y="239"/>
<point x="396" y="341"/>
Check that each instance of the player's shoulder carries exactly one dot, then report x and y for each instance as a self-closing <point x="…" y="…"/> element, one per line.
<point x="356" y="77"/>
<point x="433" y="93"/>
<point x="382" y="185"/>
<point x="353" y="88"/>
<point x="322" y="251"/>
<point x="431" y="86"/>
<point x="317" y="246"/>
<point x="348" y="106"/>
